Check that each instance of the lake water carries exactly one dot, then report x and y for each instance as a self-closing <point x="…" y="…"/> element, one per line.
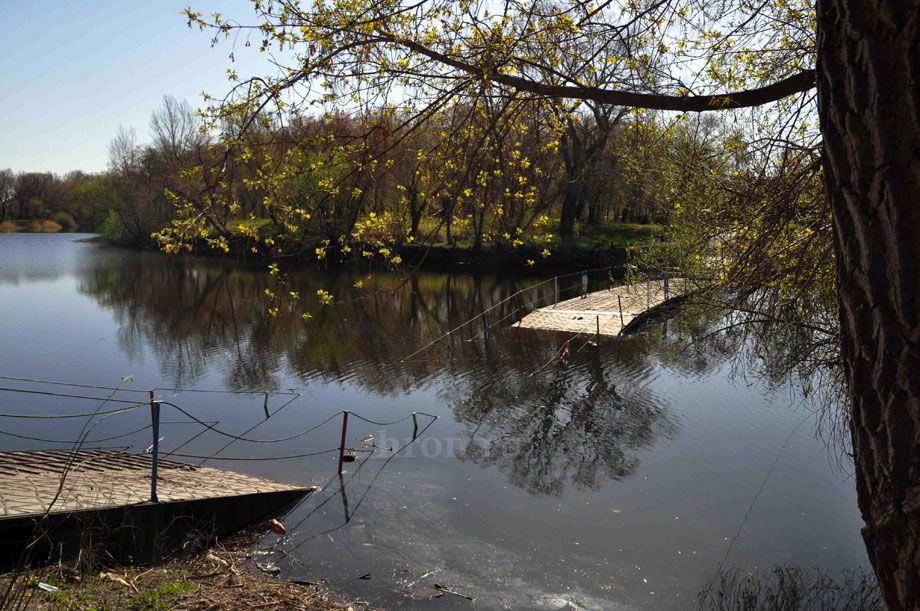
<point x="623" y="480"/>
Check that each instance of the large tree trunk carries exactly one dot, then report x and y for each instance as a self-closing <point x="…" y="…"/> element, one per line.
<point x="869" y="103"/>
<point x="567" y="213"/>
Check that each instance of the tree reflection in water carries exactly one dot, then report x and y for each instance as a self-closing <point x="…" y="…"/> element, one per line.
<point x="564" y="425"/>
<point x="790" y="588"/>
<point x="577" y="425"/>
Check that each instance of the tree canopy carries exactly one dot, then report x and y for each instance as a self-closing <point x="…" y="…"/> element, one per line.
<point x="816" y="163"/>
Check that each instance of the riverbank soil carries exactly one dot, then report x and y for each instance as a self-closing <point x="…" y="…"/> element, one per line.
<point x="226" y="576"/>
<point x="36" y="226"/>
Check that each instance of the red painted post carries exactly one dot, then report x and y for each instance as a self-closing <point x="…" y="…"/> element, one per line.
<point x="155" y="425"/>
<point x="342" y="445"/>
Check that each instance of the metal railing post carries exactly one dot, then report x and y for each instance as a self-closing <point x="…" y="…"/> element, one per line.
<point x="488" y="325"/>
<point x="155" y="421"/>
<point x="342" y="445"/>
<point x="556" y="286"/>
<point x="584" y="285"/>
<point x="598" y="320"/>
<point x="620" y="302"/>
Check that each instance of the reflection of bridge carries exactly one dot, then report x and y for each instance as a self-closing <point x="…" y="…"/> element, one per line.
<point x="603" y="312"/>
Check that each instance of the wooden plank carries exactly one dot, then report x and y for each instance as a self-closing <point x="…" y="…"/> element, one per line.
<point x="96" y="480"/>
<point x="580" y="315"/>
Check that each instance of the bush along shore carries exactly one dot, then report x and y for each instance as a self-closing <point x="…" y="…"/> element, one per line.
<point x="610" y="247"/>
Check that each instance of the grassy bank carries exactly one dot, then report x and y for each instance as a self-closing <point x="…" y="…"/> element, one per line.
<point x="590" y="237"/>
<point x="36" y="226"/>
<point x="224" y="577"/>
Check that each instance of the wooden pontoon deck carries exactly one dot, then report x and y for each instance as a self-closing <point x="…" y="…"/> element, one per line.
<point x="114" y="487"/>
<point x="602" y="309"/>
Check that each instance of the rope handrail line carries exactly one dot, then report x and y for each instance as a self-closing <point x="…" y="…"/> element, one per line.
<point x="241" y="438"/>
<point x="246" y="432"/>
<point x="70" y="396"/>
<point x="574" y="337"/>
<point x="119" y="410"/>
<point x="364" y="494"/>
<point x="56" y="383"/>
<point x="566" y="342"/>
<point x="468" y="321"/>
<point x="403" y="419"/>
<point x="344" y="484"/>
<point x="353" y="475"/>
<point x="763" y="484"/>
<point x="489" y="309"/>
<point x="515" y="312"/>
<point x="289" y="391"/>
<point x="562" y="348"/>
<point x="140" y="430"/>
<point x="134" y="432"/>
<point x="82" y="449"/>
<point x="603" y="326"/>
<point x="251" y="458"/>
<point x="503" y="319"/>
<point x="435" y="341"/>
<point x="586" y="271"/>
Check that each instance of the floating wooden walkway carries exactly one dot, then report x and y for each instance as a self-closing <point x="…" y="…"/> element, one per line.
<point x="29" y="482"/>
<point x="106" y="486"/>
<point x="602" y="312"/>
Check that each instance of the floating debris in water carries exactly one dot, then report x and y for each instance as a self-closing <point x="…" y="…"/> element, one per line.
<point x="444" y="590"/>
<point x="277" y="527"/>
<point x="267" y="567"/>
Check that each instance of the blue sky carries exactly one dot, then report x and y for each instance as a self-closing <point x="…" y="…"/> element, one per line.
<point x="72" y="71"/>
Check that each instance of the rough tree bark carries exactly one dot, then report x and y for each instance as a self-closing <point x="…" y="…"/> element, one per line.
<point x="869" y="106"/>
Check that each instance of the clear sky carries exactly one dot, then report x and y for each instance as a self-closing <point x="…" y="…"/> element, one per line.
<point x="72" y="71"/>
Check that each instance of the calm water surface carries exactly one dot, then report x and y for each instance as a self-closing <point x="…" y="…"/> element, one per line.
<point x="623" y="481"/>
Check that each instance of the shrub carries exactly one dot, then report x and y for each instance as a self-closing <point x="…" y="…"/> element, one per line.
<point x="112" y="228"/>
<point x="64" y="219"/>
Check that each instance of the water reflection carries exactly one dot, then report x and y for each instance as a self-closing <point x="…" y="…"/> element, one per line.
<point x="189" y="311"/>
<point x="580" y="425"/>
<point x="602" y="455"/>
<point x="545" y="426"/>
<point x="790" y="588"/>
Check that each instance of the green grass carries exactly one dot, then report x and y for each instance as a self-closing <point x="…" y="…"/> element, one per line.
<point x="615" y="234"/>
<point x="163" y="597"/>
<point x="605" y="235"/>
<point x="72" y="601"/>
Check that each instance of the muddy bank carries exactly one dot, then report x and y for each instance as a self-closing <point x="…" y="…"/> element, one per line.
<point x="33" y="227"/>
<point x="230" y="575"/>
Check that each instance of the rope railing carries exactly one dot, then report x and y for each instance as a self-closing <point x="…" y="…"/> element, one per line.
<point x="155" y="389"/>
<point x="212" y="426"/>
<point x="516" y="295"/>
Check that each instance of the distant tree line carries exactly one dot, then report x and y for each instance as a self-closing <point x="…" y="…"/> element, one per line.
<point x="472" y="175"/>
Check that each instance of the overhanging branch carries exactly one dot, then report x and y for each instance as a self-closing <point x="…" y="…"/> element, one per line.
<point x="797" y="83"/>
